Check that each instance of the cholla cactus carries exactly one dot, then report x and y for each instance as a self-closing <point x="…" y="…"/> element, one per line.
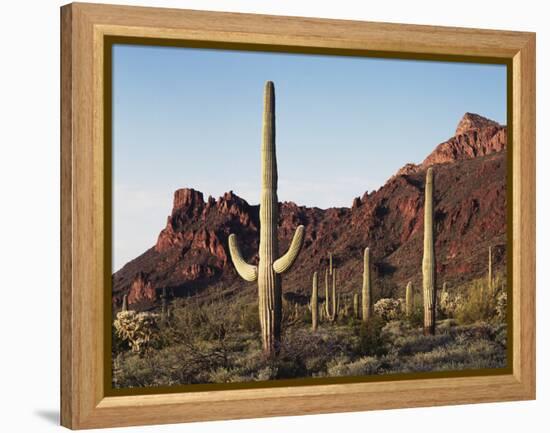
<point x="388" y="309"/>
<point x="270" y="268"/>
<point x="501" y="305"/>
<point x="428" y="261"/>
<point x="138" y="329"/>
<point x="314" y="306"/>
<point x="447" y="304"/>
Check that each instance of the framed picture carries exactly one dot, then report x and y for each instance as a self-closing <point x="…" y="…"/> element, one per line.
<point x="266" y="216"/>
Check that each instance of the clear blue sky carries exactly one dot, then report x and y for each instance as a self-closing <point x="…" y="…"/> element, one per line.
<point x="192" y="118"/>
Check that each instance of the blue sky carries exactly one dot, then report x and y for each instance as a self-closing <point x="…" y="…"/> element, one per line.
<point x="192" y="118"/>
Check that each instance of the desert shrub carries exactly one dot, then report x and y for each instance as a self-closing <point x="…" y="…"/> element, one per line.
<point x="472" y="354"/>
<point x="389" y="309"/>
<point x="342" y="366"/>
<point x="464" y="348"/>
<point x="446" y="325"/>
<point x="416" y="319"/>
<point x="501" y="335"/>
<point x="265" y="373"/>
<point x="371" y="341"/>
<point x="137" y="329"/>
<point x="418" y="343"/>
<point x="448" y="304"/>
<point x="294" y="314"/>
<point x="250" y="318"/>
<point x="476" y="301"/>
<point x="474" y="305"/>
<point x="226" y="375"/>
<point x="300" y="345"/>
<point x="394" y="329"/>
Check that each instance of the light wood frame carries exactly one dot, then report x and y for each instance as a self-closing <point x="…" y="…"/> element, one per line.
<point x="84" y="27"/>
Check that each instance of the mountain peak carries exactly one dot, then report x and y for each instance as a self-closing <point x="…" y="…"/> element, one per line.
<point x="187" y="197"/>
<point x="475" y="136"/>
<point x="473" y="121"/>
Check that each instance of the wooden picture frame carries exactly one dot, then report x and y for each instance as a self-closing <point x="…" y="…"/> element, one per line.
<point x="84" y="191"/>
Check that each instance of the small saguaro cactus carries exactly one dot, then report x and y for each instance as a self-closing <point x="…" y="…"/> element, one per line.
<point x="366" y="292"/>
<point x="314" y="304"/>
<point x="356" y="305"/>
<point x="270" y="268"/>
<point x="125" y="303"/>
<point x="331" y="307"/>
<point x="409" y="299"/>
<point x="428" y="261"/>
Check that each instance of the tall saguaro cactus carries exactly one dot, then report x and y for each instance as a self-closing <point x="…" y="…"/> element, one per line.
<point x="428" y="261"/>
<point x="331" y="312"/>
<point x="366" y="292"/>
<point x="270" y="268"/>
<point x="314" y="304"/>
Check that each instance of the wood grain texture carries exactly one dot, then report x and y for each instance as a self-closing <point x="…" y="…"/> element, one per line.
<point x="84" y="27"/>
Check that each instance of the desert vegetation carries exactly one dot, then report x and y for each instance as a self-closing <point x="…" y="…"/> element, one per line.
<point x="225" y="337"/>
<point x="219" y="340"/>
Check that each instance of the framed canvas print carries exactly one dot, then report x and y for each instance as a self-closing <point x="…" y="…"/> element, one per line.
<point x="267" y="216"/>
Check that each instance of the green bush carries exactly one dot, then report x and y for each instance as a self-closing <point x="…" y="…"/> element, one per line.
<point x="416" y="319"/>
<point x="371" y="341"/>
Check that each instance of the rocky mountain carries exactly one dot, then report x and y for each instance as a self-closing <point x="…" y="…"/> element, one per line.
<point x="191" y="254"/>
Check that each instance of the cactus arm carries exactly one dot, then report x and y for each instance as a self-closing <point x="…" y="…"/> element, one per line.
<point x="246" y="271"/>
<point x="284" y="263"/>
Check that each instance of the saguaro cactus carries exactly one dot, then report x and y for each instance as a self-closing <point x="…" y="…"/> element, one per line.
<point x="270" y="268"/>
<point x="331" y="307"/>
<point x="409" y="299"/>
<point x="366" y="293"/>
<point x="314" y="304"/>
<point x="428" y="261"/>
<point x="124" y="303"/>
<point x="356" y="305"/>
